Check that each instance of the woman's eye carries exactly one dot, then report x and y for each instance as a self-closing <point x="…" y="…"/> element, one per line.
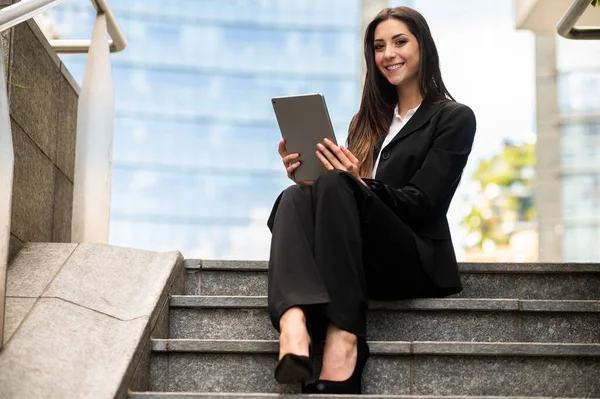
<point x="401" y="42"/>
<point x="378" y="47"/>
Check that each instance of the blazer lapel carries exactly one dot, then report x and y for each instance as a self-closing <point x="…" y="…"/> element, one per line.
<point x="377" y="148"/>
<point x="423" y="114"/>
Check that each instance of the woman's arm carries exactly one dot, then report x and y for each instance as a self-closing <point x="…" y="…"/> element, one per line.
<point x="441" y="169"/>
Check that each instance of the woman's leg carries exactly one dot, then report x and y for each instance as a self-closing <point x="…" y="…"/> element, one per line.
<point x="294" y="336"/>
<point x="294" y="279"/>
<point x="316" y="253"/>
<point x="317" y="259"/>
<point x="339" y="355"/>
<point x="315" y="263"/>
<point x="392" y="270"/>
<point x="338" y="198"/>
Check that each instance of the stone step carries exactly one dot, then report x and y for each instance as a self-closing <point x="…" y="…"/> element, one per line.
<point x="399" y="368"/>
<point x="225" y="395"/>
<point x="577" y="281"/>
<point x="481" y="320"/>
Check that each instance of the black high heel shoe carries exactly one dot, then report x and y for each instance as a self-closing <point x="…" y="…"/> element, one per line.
<point x="293" y="369"/>
<point x="352" y="385"/>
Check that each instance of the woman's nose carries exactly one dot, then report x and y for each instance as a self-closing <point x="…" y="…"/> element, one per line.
<point x="389" y="53"/>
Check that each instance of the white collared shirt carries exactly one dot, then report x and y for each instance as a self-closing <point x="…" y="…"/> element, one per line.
<point x="395" y="127"/>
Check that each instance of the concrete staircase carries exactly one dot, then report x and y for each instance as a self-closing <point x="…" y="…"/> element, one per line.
<point x="517" y="330"/>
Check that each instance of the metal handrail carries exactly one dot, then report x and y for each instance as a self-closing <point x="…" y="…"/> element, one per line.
<point x="26" y="9"/>
<point x="95" y="131"/>
<point x="566" y="26"/>
<point x="79" y="46"/>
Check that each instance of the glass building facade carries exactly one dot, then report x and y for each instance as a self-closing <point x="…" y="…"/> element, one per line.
<point x="196" y="167"/>
<point x="578" y="64"/>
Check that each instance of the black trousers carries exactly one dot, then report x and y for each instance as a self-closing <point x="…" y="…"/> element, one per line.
<point x="335" y="245"/>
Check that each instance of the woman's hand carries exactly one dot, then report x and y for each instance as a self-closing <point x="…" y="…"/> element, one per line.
<point x="287" y="162"/>
<point x="334" y="157"/>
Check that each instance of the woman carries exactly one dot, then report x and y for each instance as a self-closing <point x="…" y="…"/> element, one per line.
<point x="373" y="226"/>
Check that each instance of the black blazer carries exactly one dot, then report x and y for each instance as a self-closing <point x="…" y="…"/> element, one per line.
<point x="417" y="176"/>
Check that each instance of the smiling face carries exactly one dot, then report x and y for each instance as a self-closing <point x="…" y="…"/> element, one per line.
<point x="397" y="53"/>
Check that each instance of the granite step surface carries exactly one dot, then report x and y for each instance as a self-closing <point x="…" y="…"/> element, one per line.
<point x="398" y="368"/>
<point x="576" y="281"/>
<point x="481" y="320"/>
<point x="226" y="395"/>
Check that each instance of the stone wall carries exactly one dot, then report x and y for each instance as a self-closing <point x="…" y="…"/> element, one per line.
<point x="43" y="107"/>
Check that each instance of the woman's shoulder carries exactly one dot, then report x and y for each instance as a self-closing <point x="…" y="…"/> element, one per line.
<point x="455" y="116"/>
<point x="452" y="109"/>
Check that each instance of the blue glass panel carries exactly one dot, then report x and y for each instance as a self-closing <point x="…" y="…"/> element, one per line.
<point x="195" y="152"/>
<point x="581" y="243"/>
<point x="580" y="145"/>
<point x="579" y="92"/>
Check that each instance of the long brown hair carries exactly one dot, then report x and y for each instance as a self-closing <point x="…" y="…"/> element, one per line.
<point x="379" y="96"/>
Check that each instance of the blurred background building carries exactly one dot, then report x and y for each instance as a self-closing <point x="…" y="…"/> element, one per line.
<point x="195" y="152"/>
<point x="195" y="160"/>
<point x="578" y="80"/>
<point x="567" y="185"/>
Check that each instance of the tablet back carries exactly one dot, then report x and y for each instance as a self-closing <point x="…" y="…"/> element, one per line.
<point x="304" y="121"/>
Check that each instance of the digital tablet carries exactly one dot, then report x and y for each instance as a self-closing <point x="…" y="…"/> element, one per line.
<point x="304" y="121"/>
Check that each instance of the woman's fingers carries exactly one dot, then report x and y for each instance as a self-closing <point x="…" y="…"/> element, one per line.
<point x="331" y="151"/>
<point x="290" y="162"/>
<point x="355" y="162"/>
<point x="329" y="156"/>
<point x="324" y="161"/>
<point x="289" y="158"/>
<point x="341" y="155"/>
<point x="350" y="155"/>
<point x="335" y="155"/>
<point x="291" y="168"/>
<point x="281" y="148"/>
<point x="334" y="149"/>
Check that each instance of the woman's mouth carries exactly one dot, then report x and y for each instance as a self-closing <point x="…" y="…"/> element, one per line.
<point x="394" y="67"/>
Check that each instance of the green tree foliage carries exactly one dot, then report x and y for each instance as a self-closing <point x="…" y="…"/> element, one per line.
<point x="505" y="198"/>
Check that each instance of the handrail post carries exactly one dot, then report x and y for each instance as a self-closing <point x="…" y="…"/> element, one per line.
<point x="93" y="154"/>
<point x="7" y="161"/>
